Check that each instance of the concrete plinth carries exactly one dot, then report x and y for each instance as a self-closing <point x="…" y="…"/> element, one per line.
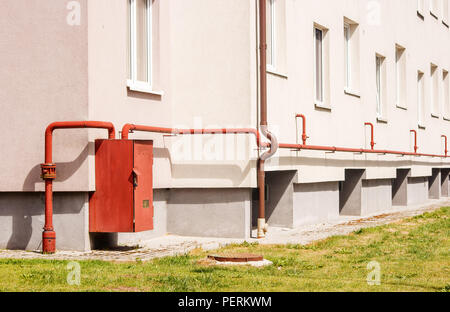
<point x="434" y="184"/>
<point x="445" y="191"/>
<point x="400" y="188"/>
<point x="210" y="212"/>
<point x="280" y="198"/>
<point x="417" y="190"/>
<point x="315" y="203"/>
<point x="22" y="220"/>
<point x="359" y="197"/>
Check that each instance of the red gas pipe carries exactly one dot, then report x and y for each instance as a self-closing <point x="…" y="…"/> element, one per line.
<point x="304" y="136"/>
<point x="127" y="128"/>
<point x="415" y="141"/>
<point x="372" y="142"/>
<point x="49" y="174"/>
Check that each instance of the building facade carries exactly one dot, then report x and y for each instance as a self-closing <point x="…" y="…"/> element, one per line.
<point x="194" y="64"/>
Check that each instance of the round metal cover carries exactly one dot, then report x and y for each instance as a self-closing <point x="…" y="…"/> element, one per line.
<point x="237" y="258"/>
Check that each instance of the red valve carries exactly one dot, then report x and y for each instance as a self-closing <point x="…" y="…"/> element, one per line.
<point x="48" y="171"/>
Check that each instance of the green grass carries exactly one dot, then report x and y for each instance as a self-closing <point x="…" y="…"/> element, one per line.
<point x="414" y="255"/>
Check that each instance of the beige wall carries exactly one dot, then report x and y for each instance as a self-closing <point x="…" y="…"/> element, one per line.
<point x="204" y="53"/>
<point x="205" y="63"/>
<point x="43" y="78"/>
<point x="425" y="41"/>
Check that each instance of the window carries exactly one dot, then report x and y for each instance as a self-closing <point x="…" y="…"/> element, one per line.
<point x="446" y="93"/>
<point x="351" y="57"/>
<point x="380" y="77"/>
<point x="420" y="8"/>
<point x="271" y="31"/>
<point x="434" y="91"/>
<point x="434" y="8"/>
<point x="318" y="70"/>
<point x="140" y="44"/>
<point x="347" y="53"/>
<point x="321" y="68"/>
<point x="420" y="99"/>
<point x="445" y="12"/>
<point x="400" y="69"/>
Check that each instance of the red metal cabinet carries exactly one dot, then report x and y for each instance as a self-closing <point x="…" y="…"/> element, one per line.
<point x="123" y="200"/>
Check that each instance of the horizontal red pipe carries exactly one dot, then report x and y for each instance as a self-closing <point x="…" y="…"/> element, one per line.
<point x="354" y="150"/>
<point x="130" y="127"/>
<point x="73" y="125"/>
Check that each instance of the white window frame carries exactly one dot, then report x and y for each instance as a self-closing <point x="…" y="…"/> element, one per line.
<point x="319" y="102"/>
<point x="445" y="12"/>
<point x="379" y="85"/>
<point x="420" y="99"/>
<point x="420" y="7"/>
<point x="434" y="8"/>
<point x="133" y="83"/>
<point x="434" y="94"/>
<point x="348" y="56"/>
<point x="272" y="38"/>
<point x="400" y="77"/>
<point x="446" y="93"/>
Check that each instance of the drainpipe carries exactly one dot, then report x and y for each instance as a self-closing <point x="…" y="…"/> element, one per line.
<point x="262" y="227"/>
<point x="415" y="141"/>
<point x="446" y="151"/>
<point x="304" y="136"/>
<point x="49" y="174"/>
<point x="372" y="142"/>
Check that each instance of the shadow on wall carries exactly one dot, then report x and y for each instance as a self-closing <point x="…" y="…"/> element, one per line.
<point x="64" y="170"/>
<point x="27" y="213"/>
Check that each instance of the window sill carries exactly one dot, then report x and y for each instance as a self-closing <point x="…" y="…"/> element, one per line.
<point x="275" y="73"/>
<point x="434" y="15"/>
<point x="321" y="105"/>
<point x="422" y="127"/>
<point x="401" y="107"/>
<point x="144" y="88"/>
<point x="434" y="115"/>
<point x="352" y="93"/>
<point x="382" y="120"/>
<point x="421" y="15"/>
<point x="446" y="24"/>
<point x="447" y="118"/>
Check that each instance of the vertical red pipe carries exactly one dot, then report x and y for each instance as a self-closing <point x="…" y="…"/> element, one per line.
<point x="372" y="142"/>
<point x="415" y="141"/>
<point x="304" y="136"/>
<point x="49" y="174"/>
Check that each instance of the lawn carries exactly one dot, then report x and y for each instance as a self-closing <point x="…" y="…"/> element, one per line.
<point x="413" y="255"/>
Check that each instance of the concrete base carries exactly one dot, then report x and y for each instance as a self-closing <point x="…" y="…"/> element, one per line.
<point x="22" y="220"/>
<point x="315" y="203"/>
<point x="210" y="212"/>
<point x="445" y="185"/>
<point x="291" y="205"/>
<point x="279" y="205"/>
<point x="359" y="197"/>
<point x="417" y="190"/>
<point x="434" y="184"/>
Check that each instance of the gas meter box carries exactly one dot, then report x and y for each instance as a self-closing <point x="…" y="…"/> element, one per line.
<point x="123" y="200"/>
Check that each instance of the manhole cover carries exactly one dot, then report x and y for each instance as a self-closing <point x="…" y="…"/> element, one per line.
<point x="237" y="258"/>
